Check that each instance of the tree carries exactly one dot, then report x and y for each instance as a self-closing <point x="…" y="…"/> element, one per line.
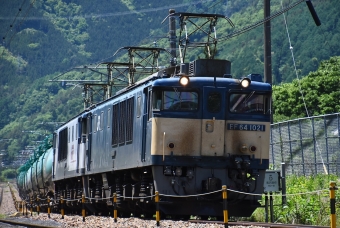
<point x="316" y="94"/>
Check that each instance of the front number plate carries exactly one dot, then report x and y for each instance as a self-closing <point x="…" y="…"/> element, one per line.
<point x="246" y="127"/>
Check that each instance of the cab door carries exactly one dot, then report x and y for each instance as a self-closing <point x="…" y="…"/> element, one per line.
<point x="145" y="119"/>
<point x="88" y="141"/>
<point x="213" y="122"/>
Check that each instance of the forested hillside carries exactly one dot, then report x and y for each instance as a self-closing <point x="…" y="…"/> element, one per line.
<point x="42" y="39"/>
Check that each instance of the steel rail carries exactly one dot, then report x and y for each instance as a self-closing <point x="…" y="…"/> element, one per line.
<point x="25" y="224"/>
<point x="262" y="224"/>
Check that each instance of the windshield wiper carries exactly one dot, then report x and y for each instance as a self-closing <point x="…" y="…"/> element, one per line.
<point x="248" y="97"/>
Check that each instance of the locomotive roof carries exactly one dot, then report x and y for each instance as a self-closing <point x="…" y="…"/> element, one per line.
<point x="201" y="81"/>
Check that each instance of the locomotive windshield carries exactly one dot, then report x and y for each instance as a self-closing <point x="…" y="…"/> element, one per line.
<point x="249" y="102"/>
<point x="175" y="100"/>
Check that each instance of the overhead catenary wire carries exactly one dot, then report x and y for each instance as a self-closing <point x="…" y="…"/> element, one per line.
<point x="15" y="18"/>
<point x="300" y="88"/>
<point x="22" y="21"/>
<point x="256" y="24"/>
<point x="164" y="25"/>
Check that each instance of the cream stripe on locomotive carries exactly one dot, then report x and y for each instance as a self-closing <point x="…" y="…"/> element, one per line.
<point x="181" y="136"/>
<point x="244" y="137"/>
<point x="196" y="137"/>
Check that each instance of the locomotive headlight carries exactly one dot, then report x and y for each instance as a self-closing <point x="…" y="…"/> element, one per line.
<point x="184" y="80"/>
<point x="178" y="171"/>
<point x="243" y="148"/>
<point x="245" y="82"/>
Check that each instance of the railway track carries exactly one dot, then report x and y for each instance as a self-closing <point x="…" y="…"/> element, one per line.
<point x="4" y="222"/>
<point x="258" y="224"/>
<point x="100" y="221"/>
<point x="42" y="220"/>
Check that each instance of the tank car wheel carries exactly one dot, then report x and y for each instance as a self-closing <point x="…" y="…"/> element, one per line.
<point x="147" y="215"/>
<point x="202" y="217"/>
<point x="180" y="217"/>
<point x="124" y="214"/>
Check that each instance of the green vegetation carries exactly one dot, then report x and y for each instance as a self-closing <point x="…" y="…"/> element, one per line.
<point x="307" y="202"/>
<point x="7" y="174"/>
<point x="318" y="93"/>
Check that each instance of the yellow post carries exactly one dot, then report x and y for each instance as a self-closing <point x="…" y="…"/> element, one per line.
<point x="31" y="205"/>
<point x="332" y="189"/>
<point x="157" y="208"/>
<point x="225" y="205"/>
<point x="38" y="209"/>
<point x="83" y="207"/>
<point x="115" y="206"/>
<point x="48" y="207"/>
<point x="26" y="208"/>
<point x="62" y="207"/>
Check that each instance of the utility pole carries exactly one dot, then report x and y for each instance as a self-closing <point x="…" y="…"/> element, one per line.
<point x="267" y="44"/>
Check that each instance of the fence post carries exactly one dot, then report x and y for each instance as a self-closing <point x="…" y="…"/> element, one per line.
<point x="31" y="205"/>
<point x="83" y="206"/>
<point x="23" y="207"/>
<point x="62" y="207"/>
<point x="225" y="206"/>
<point x="48" y="207"/>
<point x="157" y="207"/>
<point x="266" y="206"/>
<point x="332" y="189"/>
<point x="283" y="182"/>
<point x="115" y="206"/>
<point x="38" y="209"/>
<point x="271" y="205"/>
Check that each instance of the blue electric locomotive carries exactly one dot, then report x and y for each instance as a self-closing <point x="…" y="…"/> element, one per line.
<point x="176" y="139"/>
<point x="184" y="131"/>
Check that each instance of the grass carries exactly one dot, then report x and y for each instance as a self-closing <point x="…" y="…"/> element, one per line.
<point x="308" y="202"/>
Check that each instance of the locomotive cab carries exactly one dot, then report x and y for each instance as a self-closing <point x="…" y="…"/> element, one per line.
<point x="211" y="131"/>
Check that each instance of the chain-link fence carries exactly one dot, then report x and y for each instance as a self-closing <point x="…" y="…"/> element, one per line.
<point x="308" y="146"/>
